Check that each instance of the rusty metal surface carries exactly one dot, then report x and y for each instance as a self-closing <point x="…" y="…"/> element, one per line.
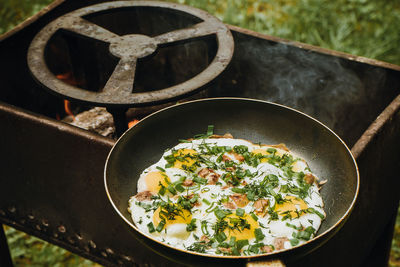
<point x="129" y="48"/>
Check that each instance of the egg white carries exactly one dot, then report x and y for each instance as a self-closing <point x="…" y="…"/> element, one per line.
<point x="177" y="236"/>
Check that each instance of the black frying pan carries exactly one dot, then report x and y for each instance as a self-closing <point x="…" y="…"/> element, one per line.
<point x="254" y="120"/>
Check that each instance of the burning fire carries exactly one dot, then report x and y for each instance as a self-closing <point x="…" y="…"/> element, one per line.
<point x="67" y="108"/>
<point x="132" y="122"/>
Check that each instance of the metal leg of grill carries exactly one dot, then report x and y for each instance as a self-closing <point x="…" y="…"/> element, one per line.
<point x="5" y="257"/>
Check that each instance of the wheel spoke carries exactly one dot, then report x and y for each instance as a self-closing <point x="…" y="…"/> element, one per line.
<point x="197" y="30"/>
<point x="84" y="27"/>
<point x="121" y="81"/>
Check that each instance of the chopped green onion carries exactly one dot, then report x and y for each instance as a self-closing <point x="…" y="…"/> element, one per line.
<point x="150" y="226"/>
<point x="160" y="226"/>
<point x="240" y="212"/>
<point x="220" y="214"/>
<point x="294" y="242"/>
<point x="238" y="190"/>
<point x="206" y="201"/>
<point x="254" y="216"/>
<point x="220" y="237"/>
<point x="210" y="130"/>
<point x="241" y="243"/>
<point x="179" y="187"/>
<point x="258" y="234"/>
<point x="200" y="180"/>
<point x="171" y="189"/>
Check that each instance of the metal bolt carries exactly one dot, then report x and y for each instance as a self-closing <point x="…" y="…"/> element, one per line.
<point x="92" y="244"/>
<point x="78" y="236"/>
<point x="62" y="229"/>
<point x="104" y="254"/>
<point x="109" y="251"/>
<point x="12" y="209"/>
<point x="45" y="223"/>
<point x="31" y="217"/>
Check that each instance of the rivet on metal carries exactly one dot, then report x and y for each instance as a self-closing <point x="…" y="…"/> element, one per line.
<point x="128" y="258"/>
<point x="38" y="227"/>
<point x="109" y="251"/>
<point x="31" y="217"/>
<point x="104" y="254"/>
<point x="78" y="236"/>
<point x="12" y="209"/>
<point x="45" y="223"/>
<point x="92" y="244"/>
<point x="62" y="229"/>
<point x="86" y="248"/>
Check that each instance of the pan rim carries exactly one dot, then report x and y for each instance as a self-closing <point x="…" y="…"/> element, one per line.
<point x="331" y="230"/>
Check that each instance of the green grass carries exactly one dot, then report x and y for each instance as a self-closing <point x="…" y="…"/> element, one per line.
<point x="366" y="28"/>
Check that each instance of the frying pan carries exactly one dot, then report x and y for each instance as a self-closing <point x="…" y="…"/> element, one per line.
<point x="255" y="120"/>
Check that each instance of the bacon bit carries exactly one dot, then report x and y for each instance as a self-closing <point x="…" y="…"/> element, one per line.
<point x="261" y="207"/>
<point x="226" y="186"/>
<point x="227" y="135"/>
<point x="226" y="250"/>
<point x="204" y="239"/>
<point x="238" y="157"/>
<point x="239" y="199"/>
<point x="281" y="146"/>
<point x="229" y="205"/>
<point x="279" y="242"/>
<point x="210" y="174"/>
<point x="322" y="182"/>
<point x="188" y="182"/>
<point x="244" y="183"/>
<point x="203" y="172"/>
<point x="309" y="178"/>
<point x="266" y="249"/>
<point x="231" y="169"/>
<point x="213" y="178"/>
<point x="144" y="195"/>
<point x="226" y="158"/>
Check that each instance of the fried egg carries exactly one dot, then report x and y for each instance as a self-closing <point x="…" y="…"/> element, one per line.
<point x="226" y="196"/>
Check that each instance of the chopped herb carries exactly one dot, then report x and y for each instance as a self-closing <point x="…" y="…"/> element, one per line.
<point x="220" y="237"/>
<point x="240" y="212"/>
<point x="160" y="226"/>
<point x="200" y="180"/>
<point x="255" y="217"/>
<point x="191" y="226"/>
<point x="294" y="242"/>
<point x="150" y="226"/>
<point x="258" y="234"/>
<point x="206" y="201"/>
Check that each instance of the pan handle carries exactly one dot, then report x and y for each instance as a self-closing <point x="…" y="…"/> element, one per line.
<point x="268" y="263"/>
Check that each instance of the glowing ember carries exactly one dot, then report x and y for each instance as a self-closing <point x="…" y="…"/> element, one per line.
<point x="67" y="108"/>
<point x="133" y="122"/>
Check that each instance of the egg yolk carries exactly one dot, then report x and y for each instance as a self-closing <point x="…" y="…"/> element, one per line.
<point x="184" y="157"/>
<point x="153" y="180"/>
<point x="289" y="206"/>
<point x="299" y="166"/>
<point x="184" y="216"/>
<point x="241" y="234"/>
<point x="262" y="152"/>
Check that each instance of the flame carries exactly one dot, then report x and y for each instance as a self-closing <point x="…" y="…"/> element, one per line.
<point x="132" y="122"/>
<point x="68" y="78"/>
<point x="67" y="108"/>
